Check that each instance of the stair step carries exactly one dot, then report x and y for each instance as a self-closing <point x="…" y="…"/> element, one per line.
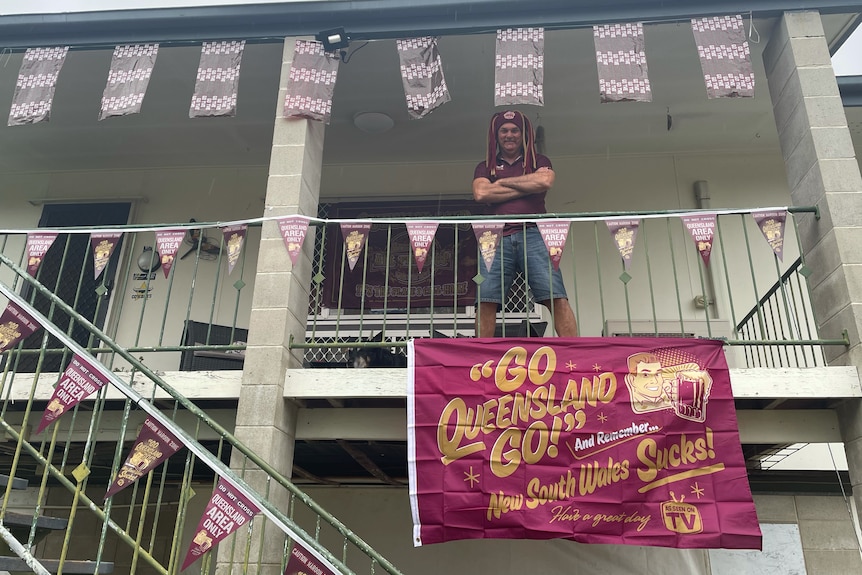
<point x="17" y="483"/>
<point x="16" y="564"/>
<point x="45" y="522"/>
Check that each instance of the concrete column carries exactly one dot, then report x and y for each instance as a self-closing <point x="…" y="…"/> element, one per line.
<point x="822" y="170"/>
<point x="264" y="421"/>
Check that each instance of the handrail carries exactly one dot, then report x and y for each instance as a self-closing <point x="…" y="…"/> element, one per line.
<point x="770" y="292"/>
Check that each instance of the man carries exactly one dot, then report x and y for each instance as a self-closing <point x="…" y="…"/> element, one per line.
<point x="514" y="180"/>
<point x="646" y="384"/>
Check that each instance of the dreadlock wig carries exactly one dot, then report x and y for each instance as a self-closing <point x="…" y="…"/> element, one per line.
<point x="520" y="120"/>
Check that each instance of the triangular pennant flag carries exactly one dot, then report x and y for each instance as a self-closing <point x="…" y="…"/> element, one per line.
<point x="555" y="235"/>
<point x="624" y="233"/>
<point x="234" y="239"/>
<point x="227" y="510"/>
<point x="128" y="78"/>
<point x="293" y="230"/>
<point x="302" y="562"/>
<point x="355" y="235"/>
<point x="702" y="229"/>
<point x="488" y="237"/>
<point x="153" y="445"/>
<point x="311" y="82"/>
<point x="38" y="245"/>
<point x="103" y="246"/>
<point x="422" y="75"/>
<point x="34" y="90"/>
<point x="519" y="69"/>
<point x="421" y="236"/>
<point x="15" y="325"/>
<point x="217" y="79"/>
<point x="78" y="382"/>
<point x="725" y="58"/>
<point x="168" y="244"/>
<point x="771" y="225"/>
<point x="621" y="62"/>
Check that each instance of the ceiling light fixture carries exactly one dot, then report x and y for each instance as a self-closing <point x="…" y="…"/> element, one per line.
<point x="373" y="122"/>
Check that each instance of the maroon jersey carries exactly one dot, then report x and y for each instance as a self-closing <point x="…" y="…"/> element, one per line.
<point x="531" y="204"/>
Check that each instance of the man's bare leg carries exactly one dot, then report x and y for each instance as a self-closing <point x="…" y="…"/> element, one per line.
<point x="564" y="318"/>
<point x="486" y="321"/>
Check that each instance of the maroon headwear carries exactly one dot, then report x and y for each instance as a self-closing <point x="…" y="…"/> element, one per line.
<point x="523" y="122"/>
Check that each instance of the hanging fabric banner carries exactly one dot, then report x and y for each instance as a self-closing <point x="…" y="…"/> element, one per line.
<point x="302" y="562"/>
<point x="78" y="382"/>
<point x="555" y="235"/>
<point x="15" y="325"/>
<point x="519" y="68"/>
<point x="34" y="90"/>
<point x="421" y="237"/>
<point x="621" y="62"/>
<point x="771" y="225"/>
<point x="227" y="509"/>
<point x="311" y="82"/>
<point x="488" y="237"/>
<point x="625" y="233"/>
<point x="355" y="236"/>
<point x="168" y="244"/>
<point x="103" y="246"/>
<point x="633" y="442"/>
<point x="37" y="246"/>
<point x="217" y="80"/>
<point x="293" y="230"/>
<point x="724" y="56"/>
<point x="153" y="445"/>
<point x="128" y="78"/>
<point x="422" y="75"/>
<point x="702" y="229"/>
<point x="234" y="239"/>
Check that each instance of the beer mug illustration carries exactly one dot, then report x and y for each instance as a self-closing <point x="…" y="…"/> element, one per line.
<point x="691" y="394"/>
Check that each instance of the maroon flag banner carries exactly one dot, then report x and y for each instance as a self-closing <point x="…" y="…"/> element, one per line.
<point x="624" y="232"/>
<point x="168" y="244"/>
<point x="771" y="225"/>
<point x="519" y="68"/>
<point x="621" y="62"/>
<point x="355" y="235"/>
<point x="555" y="235"/>
<point x="421" y="237"/>
<point x="128" y="79"/>
<point x="422" y="75"/>
<point x="34" y="90"/>
<point x="153" y="445"/>
<point x="103" y="246"/>
<point x="725" y="57"/>
<point x="631" y="442"/>
<point x="311" y="82"/>
<point x="234" y="239"/>
<point x="302" y="562"/>
<point x="37" y="246"/>
<point x="217" y="80"/>
<point x="702" y="229"/>
<point x="293" y="230"/>
<point x="227" y="509"/>
<point x="488" y="237"/>
<point x="15" y="325"/>
<point x="78" y="382"/>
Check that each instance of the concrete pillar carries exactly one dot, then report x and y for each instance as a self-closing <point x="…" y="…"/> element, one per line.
<point x="264" y="421"/>
<point x="822" y="170"/>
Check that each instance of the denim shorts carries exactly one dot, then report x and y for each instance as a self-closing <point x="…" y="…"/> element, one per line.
<point x="544" y="281"/>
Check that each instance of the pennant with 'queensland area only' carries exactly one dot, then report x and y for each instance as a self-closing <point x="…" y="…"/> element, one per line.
<point x="168" y="244"/>
<point x="217" y="80"/>
<point x="153" y="446"/>
<point x="555" y="235"/>
<point x="131" y="69"/>
<point x="771" y="225"/>
<point x="621" y="62"/>
<point x="519" y="67"/>
<point x="227" y="510"/>
<point x="103" y="246"/>
<point x="702" y="229"/>
<point x="80" y="380"/>
<point x="421" y="236"/>
<point x="725" y="57"/>
<point x="488" y="237"/>
<point x="15" y="325"/>
<point x="293" y="230"/>
<point x="234" y="239"/>
<point x="38" y="245"/>
<point x="422" y="75"/>
<point x="311" y="82"/>
<point x="355" y="235"/>
<point x="303" y="562"/>
<point x="624" y="233"/>
<point x="34" y="90"/>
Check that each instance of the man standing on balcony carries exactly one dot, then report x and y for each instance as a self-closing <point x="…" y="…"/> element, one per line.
<point x="513" y="180"/>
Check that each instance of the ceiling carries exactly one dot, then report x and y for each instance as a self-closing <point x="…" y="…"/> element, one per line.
<point x="575" y="122"/>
